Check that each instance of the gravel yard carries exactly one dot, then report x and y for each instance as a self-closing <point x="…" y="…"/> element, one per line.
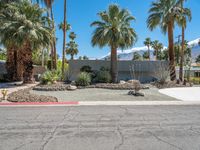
<point x="94" y="94"/>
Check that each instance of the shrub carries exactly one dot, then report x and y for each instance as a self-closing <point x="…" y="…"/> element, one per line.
<point x="103" y="76"/>
<point x="84" y="79"/>
<point x="87" y="69"/>
<point x="162" y="73"/>
<point x="195" y="80"/>
<point x="67" y="76"/>
<point x="50" y="77"/>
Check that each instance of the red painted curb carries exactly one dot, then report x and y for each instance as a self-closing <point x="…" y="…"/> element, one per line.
<point x="40" y="103"/>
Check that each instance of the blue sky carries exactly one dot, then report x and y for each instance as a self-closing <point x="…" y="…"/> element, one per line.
<point x="81" y="13"/>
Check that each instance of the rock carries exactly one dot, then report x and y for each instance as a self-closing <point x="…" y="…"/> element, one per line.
<point x="73" y="83"/>
<point x="25" y="96"/>
<point x="72" y="88"/>
<point x="136" y="93"/>
<point x="134" y="81"/>
<point x="122" y="82"/>
<point x="145" y="87"/>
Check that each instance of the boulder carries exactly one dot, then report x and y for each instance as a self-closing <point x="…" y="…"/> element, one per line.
<point x="133" y="81"/>
<point x="122" y="82"/>
<point x="72" y="88"/>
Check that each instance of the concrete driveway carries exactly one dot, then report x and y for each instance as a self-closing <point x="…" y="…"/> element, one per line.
<point x="100" y="128"/>
<point x="185" y="94"/>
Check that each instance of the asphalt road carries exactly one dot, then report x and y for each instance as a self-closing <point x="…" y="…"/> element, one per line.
<point x="100" y="128"/>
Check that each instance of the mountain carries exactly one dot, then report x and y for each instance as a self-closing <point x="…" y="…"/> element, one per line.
<point x="195" y="48"/>
<point x="128" y="54"/>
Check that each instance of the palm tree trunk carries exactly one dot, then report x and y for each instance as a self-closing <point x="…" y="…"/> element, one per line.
<point x="28" y="63"/>
<point x="156" y="54"/>
<point x="10" y="63"/>
<point x="149" y="53"/>
<point x="72" y="57"/>
<point x="182" y="52"/>
<point x="114" y="64"/>
<point x="20" y="65"/>
<point x="171" y="51"/>
<point x="42" y="57"/>
<point x="54" y="42"/>
<point x="51" y="44"/>
<point x="64" y="36"/>
<point x="182" y="55"/>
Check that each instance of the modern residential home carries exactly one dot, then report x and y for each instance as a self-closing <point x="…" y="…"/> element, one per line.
<point x="145" y="71"/>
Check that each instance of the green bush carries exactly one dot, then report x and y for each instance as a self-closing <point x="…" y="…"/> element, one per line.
<point x="195" y="80"/>
<point x="50" y="77"/>
<point x="87" y="69"/>
<point x="84" y="79"/>
<point x="103" y="76"/>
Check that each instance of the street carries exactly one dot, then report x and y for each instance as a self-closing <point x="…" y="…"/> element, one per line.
<point x="100" y="128"/>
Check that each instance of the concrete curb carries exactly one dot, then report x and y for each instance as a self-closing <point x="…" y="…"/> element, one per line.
<point x="101" y="103"/>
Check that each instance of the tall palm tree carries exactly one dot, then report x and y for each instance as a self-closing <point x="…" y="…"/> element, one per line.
<point x="64" y="36"/>
<point x="164" y="13"/>
<point x="11" y="61"/>
<point x="61" y="27"/>
<point x="24" y="24"/>
<point x="148" y="43"/>
<point x="64" y="29"/>
<point x="185" y="16"/>
<point x="157" y="46"/>
<point x="49" y="5"/>
<point x="114" y="30"/>
<point x="72" y="47"/>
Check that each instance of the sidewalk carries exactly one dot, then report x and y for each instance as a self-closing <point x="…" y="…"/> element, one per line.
<point x="13" y="88"/>
<point x="101" y="103"/>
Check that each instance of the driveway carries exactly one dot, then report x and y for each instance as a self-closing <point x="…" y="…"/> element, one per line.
<point x="185" y="94"/>
<point x="100" y="128"/>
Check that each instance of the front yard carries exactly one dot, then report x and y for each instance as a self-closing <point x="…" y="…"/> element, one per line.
<point x="98" y="94"/>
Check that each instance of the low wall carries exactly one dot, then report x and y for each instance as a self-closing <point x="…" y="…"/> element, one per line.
<point x="144" y="70"/>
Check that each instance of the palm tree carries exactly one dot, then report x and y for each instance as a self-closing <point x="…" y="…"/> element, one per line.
<point x="146" y="55"/>
<point x="24" y="24"/>
<point x="148" y="43"/>
<point x="64" y="36"/>
<point x="164" y="13"/>
<point x="157" y="48"/>
<point x="61" y="27"/>
<point x="185" y="15"/>
<point x="114" y="30"/>
<point x="136" y="56"/>
<point x="49" y="5"/>
<point x="72" y="47"/>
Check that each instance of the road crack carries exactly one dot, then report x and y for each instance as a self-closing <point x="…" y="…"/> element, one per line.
<point x="121" y="136"/>
<point x="166" y="142"/>
<point x="54" y="131"/>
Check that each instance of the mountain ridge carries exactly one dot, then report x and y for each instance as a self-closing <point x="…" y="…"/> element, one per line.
<point x="128" y="54"/>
